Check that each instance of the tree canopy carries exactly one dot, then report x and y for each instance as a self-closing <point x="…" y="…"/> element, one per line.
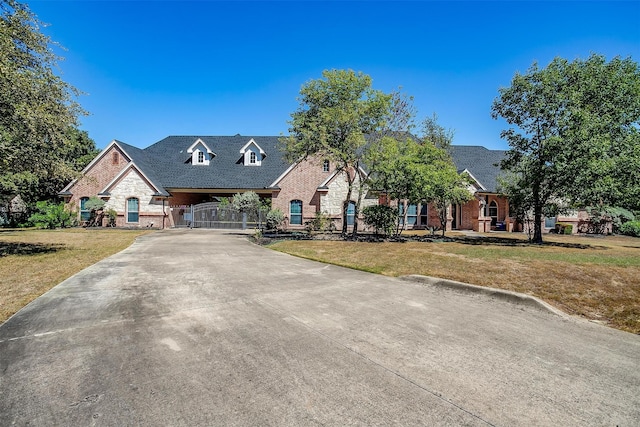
<point x="39" y="140"/>
<point x="416" y="169"/>
<point x="575" y="137"/>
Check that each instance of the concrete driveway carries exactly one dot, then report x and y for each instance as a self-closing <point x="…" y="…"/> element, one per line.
<point x="200" y="327"/>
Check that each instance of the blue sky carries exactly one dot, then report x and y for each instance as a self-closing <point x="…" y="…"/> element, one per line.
<point x="150" y="69"/>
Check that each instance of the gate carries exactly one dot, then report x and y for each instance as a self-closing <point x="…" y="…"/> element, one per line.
<point x="211" y="215"/>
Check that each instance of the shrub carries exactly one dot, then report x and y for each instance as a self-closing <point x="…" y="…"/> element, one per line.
<point x="320" y="222"/>
<point x="382" y="218"/>
<point x="50" y="215"/>
<point x="601" y="216"/>
<point x="631" y="228"/>
<point x="275" y="218"/>
<point x="224" y="203"/>
<point x="111" y="215"/>
<point x="564" y="228"/>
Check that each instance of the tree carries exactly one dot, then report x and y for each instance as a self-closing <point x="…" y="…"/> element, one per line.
<point x="577" y="138"/>
<point x="38" y="111"/>
<point x="248" y="203"/>
<point x="77" y="151"/>
<point x="335" y="115"/>
<point x="417" y="170"/>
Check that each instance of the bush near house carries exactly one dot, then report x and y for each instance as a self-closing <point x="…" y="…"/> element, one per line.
<point x="275" y="219"/>
<point x="631" y="228"/>
<point x="320" y="222"/>
<point x="382" y="218"/>
<point x="564" y="228"/>
<point x="51" y="215"/>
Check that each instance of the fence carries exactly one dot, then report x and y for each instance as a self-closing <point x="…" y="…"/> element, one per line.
<point x="211" y="215"/>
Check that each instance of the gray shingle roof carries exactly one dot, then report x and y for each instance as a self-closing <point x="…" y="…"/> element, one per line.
<point x="482" y="163"/>
<point x="167" y="163"/>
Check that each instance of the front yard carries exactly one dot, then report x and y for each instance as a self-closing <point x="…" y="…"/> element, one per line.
<point x="34" y="261"/>
<point x="594" y="277"/>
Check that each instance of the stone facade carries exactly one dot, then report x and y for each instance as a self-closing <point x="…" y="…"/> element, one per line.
<point x="151" y="208"/>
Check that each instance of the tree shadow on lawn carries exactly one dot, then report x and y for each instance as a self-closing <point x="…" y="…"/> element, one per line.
<point x="504" y="241"/>
<point x="22" y="248"/>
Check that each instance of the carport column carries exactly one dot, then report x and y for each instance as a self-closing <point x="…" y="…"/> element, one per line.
<point x="244" y="220"/>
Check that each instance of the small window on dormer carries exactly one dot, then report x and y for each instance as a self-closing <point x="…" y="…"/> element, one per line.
<point x="115" y="158"/>
<point x="325" y="166"/>
<point x="252" y="154"/>
<point x="200" y="157"/>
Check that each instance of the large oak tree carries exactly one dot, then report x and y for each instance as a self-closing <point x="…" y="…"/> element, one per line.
<point x="574" y="135"/>
<point x="39" y="142"/>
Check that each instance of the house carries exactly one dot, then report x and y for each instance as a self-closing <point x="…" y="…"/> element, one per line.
<point x="155" y="186"/>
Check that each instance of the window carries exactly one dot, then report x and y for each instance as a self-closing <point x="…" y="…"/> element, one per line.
<point x="200" y="157"/>
<point x="85" y="214"/>
<point x="115" y="158"/>
<point x="424" y="215"/>
<point x="550" y="222"/>
<point x="325" y="166"/>
<point x="412" y="214"/>
<point x="253" y="158"/>
<point x="493" y="212"/>
<point x="133" y="210"/>
<point x="295" y="212"/>
<point x="351" y="213"/>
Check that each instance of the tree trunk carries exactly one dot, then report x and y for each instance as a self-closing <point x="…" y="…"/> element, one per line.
<point x="537" y="215"/>
<point x="345" y="206"/>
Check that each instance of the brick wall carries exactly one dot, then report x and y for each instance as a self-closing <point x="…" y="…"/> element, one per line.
<point x="301" y="183"/>
<point x="98" y="176"/>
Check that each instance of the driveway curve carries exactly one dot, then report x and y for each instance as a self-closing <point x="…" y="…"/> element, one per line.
<point x="201" y="327"/>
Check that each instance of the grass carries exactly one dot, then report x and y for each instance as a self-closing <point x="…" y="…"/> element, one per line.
<point x="34" y="261"/>
<point x="597" y="278"/>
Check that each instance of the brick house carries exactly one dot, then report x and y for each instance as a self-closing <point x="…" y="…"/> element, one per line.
<point x="144" y="186"/>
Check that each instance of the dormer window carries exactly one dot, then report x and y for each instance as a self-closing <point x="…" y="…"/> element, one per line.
<point x="325" y="166"/>
<point x="252" y="154"/>
<point x="201" y="154"/>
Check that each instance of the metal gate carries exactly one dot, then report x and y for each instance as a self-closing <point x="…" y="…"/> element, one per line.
<point x="211" y="215"/>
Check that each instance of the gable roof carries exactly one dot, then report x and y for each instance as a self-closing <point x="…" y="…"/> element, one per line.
<point x="145" y="164"/>
<point x="200" y="142"/>
<point x="226" y="170"/>
<point x="481" y="163"/>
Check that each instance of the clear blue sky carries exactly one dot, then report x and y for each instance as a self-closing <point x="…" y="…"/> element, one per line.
<point x="156" y="68"/>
